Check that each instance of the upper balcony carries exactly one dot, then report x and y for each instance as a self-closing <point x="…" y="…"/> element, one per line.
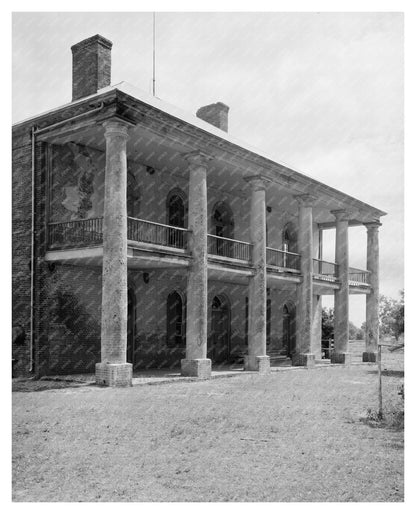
<point x="149" y="235"/>
<point x="170" y="240"/>
<point x="326" y="271"/>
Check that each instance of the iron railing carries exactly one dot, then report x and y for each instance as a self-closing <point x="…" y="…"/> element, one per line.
<point x="231" y="248"/>
<point x="325" y="270"/>
<point x="144" y="231"/>
<point x="76" y="233"/>
<point x="282" y="259"/>
<point x="358" y="276"/>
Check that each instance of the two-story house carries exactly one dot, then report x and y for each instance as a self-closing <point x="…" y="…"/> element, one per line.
<point x="145" y="237"/>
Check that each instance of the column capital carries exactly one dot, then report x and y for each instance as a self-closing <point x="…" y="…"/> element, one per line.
<point x="372" y="225"/>
<point x="257" y="182"/>
<point x="342" y="214"/>
<point x="116" y="126"/>
<point x="305" y="200"/>
<point x="197" y="158"/>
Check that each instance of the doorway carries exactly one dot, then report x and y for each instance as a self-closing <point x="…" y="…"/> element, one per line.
<point x="223" y="226"/>
<point x="219" y="340"/>
<point x="131" y="325"/>
<point x="289" y="329"/>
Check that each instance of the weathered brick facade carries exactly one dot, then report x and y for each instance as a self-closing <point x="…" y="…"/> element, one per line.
<point x="204" y="217"/>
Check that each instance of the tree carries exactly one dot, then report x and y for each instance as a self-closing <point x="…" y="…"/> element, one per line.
<point x="391" y="316"/>
<point x="328" y="326"/>
<point x="327" y="323"/>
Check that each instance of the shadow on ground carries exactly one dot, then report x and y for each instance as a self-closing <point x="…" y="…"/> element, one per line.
<point x="388" y="373"/>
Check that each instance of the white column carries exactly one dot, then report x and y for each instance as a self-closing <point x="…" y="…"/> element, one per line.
<point x="341" y="305"/>
<point x="196" y="362"/>
<point x="257" y="359"/>
<point x="304" y="355"/>
<point x="372" y="299"/>
<point x="113" y="370"/>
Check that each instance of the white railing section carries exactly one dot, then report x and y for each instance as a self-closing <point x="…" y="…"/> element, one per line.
<point x="75" y="233"/>
<point x="144" y="231"/>
<point x="231" y="248"/>
<point x="282" y="259"/>
<point x="358" y="276"/>
<point x="325" y="270"/>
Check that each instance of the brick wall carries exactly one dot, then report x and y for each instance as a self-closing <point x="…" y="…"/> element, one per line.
<point x="21" y="247"/>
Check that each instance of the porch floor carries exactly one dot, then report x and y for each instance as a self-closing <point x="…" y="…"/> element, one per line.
<point x="157" y="376"/>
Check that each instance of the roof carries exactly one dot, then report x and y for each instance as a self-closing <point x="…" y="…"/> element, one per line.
<point x="171" y="110"/>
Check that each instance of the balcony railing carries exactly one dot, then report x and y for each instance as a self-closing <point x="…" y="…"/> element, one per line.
<point x="358" y="276"/>
<point x="282" y="259"/>
<point x="156" y="233"/>
<point x="325" y="270"/>
<point x="76" y="233"/>
<point x="231" y="248"/>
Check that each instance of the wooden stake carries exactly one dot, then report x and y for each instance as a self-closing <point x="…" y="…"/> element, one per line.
<point x="380" y="398"/>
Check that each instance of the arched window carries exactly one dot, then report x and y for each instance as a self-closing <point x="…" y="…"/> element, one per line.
<point x="175" y="216"/>
<point x="176" y="210"/>
<point x="223" y="226"/>
<point x="289" y="238"/>
<point x="176" y="320"/>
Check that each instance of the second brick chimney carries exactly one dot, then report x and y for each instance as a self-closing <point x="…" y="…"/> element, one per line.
<point x="91" y="66"/>
<point x="216" y="114"/>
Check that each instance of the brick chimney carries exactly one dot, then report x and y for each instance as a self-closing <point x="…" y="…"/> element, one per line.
<point x="216" y="114"/>
<point x="91" y="66"/>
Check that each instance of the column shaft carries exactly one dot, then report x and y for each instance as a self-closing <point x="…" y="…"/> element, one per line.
<point x="196" y="362"/>
<point x="341" y="300"/>
<point x="113" y="369"/>
<point x="304" y="312"/>
<point x="372" y="299"/>
<point x="257" y="324"/>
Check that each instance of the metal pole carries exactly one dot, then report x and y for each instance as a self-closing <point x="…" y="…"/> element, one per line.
<point x="380" y="398"/>
<point x="154" y="54"/>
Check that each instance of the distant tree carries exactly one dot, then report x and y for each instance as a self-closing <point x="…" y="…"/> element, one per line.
<point x="328" y="326"/>
<point x="391" y="316"/>
<point x="327" y="323"/>
<point x="355" y="332"/>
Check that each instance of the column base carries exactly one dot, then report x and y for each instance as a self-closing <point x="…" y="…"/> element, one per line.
<point x="304" y="359"/>
<point x="341" y="358"/>
<point x="369" y="357"/>
<point x="200" y="368"/>
<point x="260" y="363"/>
<point x="113" y="375"/>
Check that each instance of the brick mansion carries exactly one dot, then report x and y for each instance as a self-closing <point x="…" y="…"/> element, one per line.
<point x="145" y="237"/>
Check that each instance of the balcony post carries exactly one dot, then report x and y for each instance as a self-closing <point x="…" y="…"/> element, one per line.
<point x="257" y="360"/>
<point x="341" y="297"/>
<point x="304" y="355"/>
<point x="372" y="299"/>
<point x="113" y="370"/>
<point x="196" y="363"/>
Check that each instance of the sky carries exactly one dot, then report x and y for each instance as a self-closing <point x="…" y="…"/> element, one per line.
<point x="322" y="92"/>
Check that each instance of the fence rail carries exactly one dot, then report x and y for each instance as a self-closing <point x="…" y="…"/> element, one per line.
<point x="358" y="276"/>
<point x="156" y="233"/>
<point x="282" y="259"/>
<point x="76" y="233"/>
<point x="325" y="270"/>
<point x="225" y="247"/>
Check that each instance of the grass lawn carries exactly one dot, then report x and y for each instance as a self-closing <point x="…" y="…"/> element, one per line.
<point x="288" y="436"/>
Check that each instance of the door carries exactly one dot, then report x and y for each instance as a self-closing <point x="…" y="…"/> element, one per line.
<point x="131" y="299"/>
<point x="289" y="330"/>
<point x="219" y="340"/>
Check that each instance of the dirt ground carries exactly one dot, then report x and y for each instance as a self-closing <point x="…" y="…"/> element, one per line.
<point x="299" y="435"/>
